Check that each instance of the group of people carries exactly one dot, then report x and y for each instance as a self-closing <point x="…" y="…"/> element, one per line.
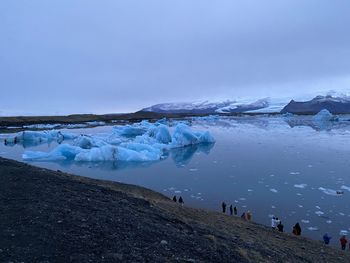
<point x="277" y="224"/>
<point x="234" y="211"/>
<point x="181" y="201"/>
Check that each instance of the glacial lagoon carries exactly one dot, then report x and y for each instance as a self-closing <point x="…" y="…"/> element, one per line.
<point x="291" y="167"/>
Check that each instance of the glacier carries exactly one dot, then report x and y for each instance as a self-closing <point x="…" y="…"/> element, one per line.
<point x="138" y="142"/>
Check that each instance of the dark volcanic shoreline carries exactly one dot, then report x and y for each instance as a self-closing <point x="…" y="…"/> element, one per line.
<point x="49" y="216"/>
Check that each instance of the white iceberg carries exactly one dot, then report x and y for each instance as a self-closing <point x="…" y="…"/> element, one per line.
<point x="138" y="142"/>
<point x="300" y="185"/>
<point x="324" y="116"/>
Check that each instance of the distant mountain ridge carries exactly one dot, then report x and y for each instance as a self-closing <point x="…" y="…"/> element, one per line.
<point x="335" y="105"/>
<point x="206" y="107"/>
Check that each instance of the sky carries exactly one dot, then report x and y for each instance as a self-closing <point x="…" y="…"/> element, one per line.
<point x="109" y="56"/>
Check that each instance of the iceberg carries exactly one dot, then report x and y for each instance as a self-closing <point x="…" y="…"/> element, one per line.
<point x="61" y="152"/>
<point x="324" y="116"/>
<point x="139" y="142"/>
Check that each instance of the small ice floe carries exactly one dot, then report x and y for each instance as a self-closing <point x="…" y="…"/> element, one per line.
<point x="300" y="185"/>
<point x="344" y="187"/>
<point x="312" y="228"/>
<point x="273" y="190"/>
<point x="250" y="190"/>
<point x="243" y="206"/>
<point x="186" y="190"/>
<point x="319" y="213"/>
<point x="177" y="192"/>
<point x="329" y="221"/>
<point x="285" y="182"/>
<point x="294" y="173"/>
<point x="310" y="165"/>
<point x="305" y="221"/>
<point x="165" y="190"/>
<point x="236" y="201"/>
<point x="328" y="191"/>
<point x="273" y="207"/>
<point x="199" y="193"/>
<point x="300" y="206"/>
<point x="272" y="175"/>
<point x="242" y="198"/>
<point x="299" y="194"/>
<point x="193" y="196"/>
<point x="343" y="232"/>
<point x="171" y="188"/>
<point x="318" y="207"/>
<point x="342" y="214"/>
<point x="193" y="169"/>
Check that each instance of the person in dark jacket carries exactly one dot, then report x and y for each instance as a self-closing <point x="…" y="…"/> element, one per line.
<point x="181" y="201"/>
<point x="174" y="198"/>
<point x="280" y="226"/>
<point x="326" y="238"/>
<point x="297" y="229"/>
<point x="223" y="205"/>
<point x="235" y="211"/>
<point x="343" y="242"/>
<point x="231" y="210"/>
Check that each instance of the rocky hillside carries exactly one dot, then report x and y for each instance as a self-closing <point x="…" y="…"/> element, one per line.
<point x="49" y="216"/>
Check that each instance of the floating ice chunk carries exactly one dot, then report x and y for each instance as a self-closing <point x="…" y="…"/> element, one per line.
<point x="312" y="228"/>
<point x="343" y="232"/>
<point x="242" y="199"/>
<point x="324" y="116"/>
<point x="328" y="191"/>
<point x="87" y="142"/>
<point x="300" y="185"/>
<point x="177" y="192"/>
<point x="300" y="206"/>
<point x="96" y="123"/>
<point x="305" y="221"/>
<point x="319" y="213"/>
<point x="250" y="190"/>
<point x="299" y="194"/>
<point x="62" y="152"/>
<point x="193" y="169"/>
<point x="160" y="133"/>
<point x="344" y="187"/>
<point x="132" y="130"/>
<point x="342" y="214"/>
<point x="329" y="221"/>
<point x="183" y="136"/>
<point x="273" y="207"/>
<point x="318" y="207"/>
<point x="294" y="173"/>
<point x="310" y="166"/>
<point x="273" y="190"/>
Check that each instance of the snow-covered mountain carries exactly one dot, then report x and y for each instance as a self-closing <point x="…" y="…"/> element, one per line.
<point x="207" y="107"/>
<point x="335" y="105"/>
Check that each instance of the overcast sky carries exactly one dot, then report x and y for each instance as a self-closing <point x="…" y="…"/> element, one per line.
<point x="66" y="56"/>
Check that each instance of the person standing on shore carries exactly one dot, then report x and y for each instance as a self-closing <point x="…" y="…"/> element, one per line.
<point x="297" y="229"/>
<point x="273" y="222"/>
<point x="326" y="238"/>
<point x="280" y="226"/>
<point x="181" y="201"/>
<point x="223" y="205"/>
<point x="235" y="211"/>
<point x="174" y="199"/>
<point x="249" y="216"/>
<point x="343" y="242"/>
<point x="231" y="210"/>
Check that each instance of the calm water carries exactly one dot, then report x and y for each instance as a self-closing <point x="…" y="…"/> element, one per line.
<point x="270" y="166"/>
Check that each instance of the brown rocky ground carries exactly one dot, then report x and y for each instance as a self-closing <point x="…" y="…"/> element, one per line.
<point x="48" y="216"/>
